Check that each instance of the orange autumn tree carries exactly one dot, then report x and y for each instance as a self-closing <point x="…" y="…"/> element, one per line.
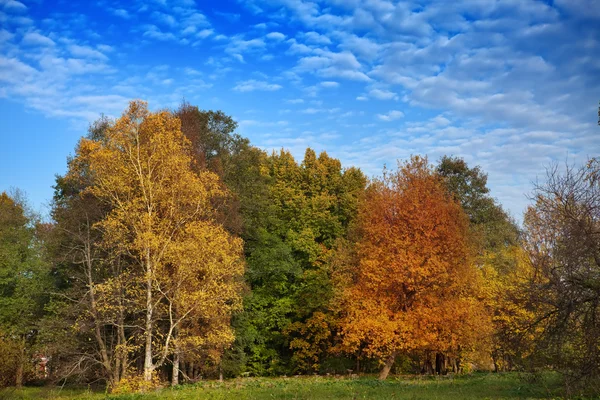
<point x="415" y="287"/>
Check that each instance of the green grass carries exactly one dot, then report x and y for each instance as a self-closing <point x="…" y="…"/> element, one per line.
<point x="475" y="386"/>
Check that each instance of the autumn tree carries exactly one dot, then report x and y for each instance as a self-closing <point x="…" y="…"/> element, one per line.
<point x="216" y="147"/>
<point x="496" y="244"/>
<point x="211" y="134"/>
<point x="88" y="328"/>
<point x="563" y="242"/>
<point x="415" y="287"/>
<point x="187" y="268"/>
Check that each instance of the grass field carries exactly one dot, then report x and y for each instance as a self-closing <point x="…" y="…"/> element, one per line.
<point x="475" y="386"/>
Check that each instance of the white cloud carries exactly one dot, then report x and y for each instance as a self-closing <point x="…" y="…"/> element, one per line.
<point x="329" y="64"/>
<point x="329" y="84"/>
<point x="15" y="71"/>
<point x="253" y="85"/>
<point x="101" y="102"/>
<point x="361" y="46"/>
<point x="14" y="6"/>
<point x="153" y="32"/>
<point x="165" y="19"/>
<point x="315" y="38"/>
<point x="204" y="33"/>
<point x="251" y="122"/>
<point x="105" y="48"/>
<point x="192" y="72"/>
<point x="526" y="68"/>
<point x="238" y="45"/>
<point x="5" y="36"/>
<point x="35" y="39"/>
<point x="196" y="19"/>
<point x="120" y="12"/>
<point x="86" y="52"/>
<point x="383" y="94"/>
<point x="188" y="31"/>
<point x="275" y="36"/>
<point x="391" y="115"/>
<point x="298" y="48"/>
<point x="312" y="110"/>
<point x="14" y="20"/>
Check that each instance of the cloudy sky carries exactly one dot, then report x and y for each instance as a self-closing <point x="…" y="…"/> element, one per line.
<point x="511" y="85"/>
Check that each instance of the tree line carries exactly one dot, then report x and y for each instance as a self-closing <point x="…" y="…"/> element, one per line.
<point x="177" y="251"/>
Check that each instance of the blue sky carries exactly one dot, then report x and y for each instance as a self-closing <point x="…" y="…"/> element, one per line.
<point x="511" y="85"/>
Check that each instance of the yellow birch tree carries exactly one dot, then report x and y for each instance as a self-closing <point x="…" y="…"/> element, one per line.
<point x="162" y="217"/>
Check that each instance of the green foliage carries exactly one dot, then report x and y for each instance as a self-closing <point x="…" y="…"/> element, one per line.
<point x="310" y="206"/>
<point x="21" y="267"/>
<point x="491" y="226"/>
<point x="22" y="287"/>
<point x="293" y="215"/>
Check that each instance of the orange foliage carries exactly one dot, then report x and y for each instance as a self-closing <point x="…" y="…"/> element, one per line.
<point x="415" y="285"/>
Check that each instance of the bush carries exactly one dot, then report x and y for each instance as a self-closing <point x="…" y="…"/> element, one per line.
<point x="133" y="382"/>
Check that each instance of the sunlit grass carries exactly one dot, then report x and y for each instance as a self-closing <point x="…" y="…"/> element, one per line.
<point x="474" y="386"/>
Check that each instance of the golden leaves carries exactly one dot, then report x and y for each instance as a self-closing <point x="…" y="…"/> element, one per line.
<point x="161" y="217"/>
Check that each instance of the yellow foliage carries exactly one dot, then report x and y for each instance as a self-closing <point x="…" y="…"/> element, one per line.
<point x="506" y="296"/>
<point x="188" y="269"/>
<point x="135" y="383"/>
<point x="312" y="341"/>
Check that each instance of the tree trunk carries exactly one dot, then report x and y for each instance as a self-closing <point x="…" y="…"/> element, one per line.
<point x="122" y="356"/>
<point x="387" y="366"/>
<point x="89" y="265"/>
<point x="148" y="366"/>
<point x="428" y="365"/>
<point x="190" y="372"/>
<point x="439" y="363"/>
<point x="175" y="375"/>
<point x="20" y="364"/>
<point x="453" y="364"/>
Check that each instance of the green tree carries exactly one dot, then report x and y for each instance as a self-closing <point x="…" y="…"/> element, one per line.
<point x="22" y="287"/>
<point x="312" y="206"/>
